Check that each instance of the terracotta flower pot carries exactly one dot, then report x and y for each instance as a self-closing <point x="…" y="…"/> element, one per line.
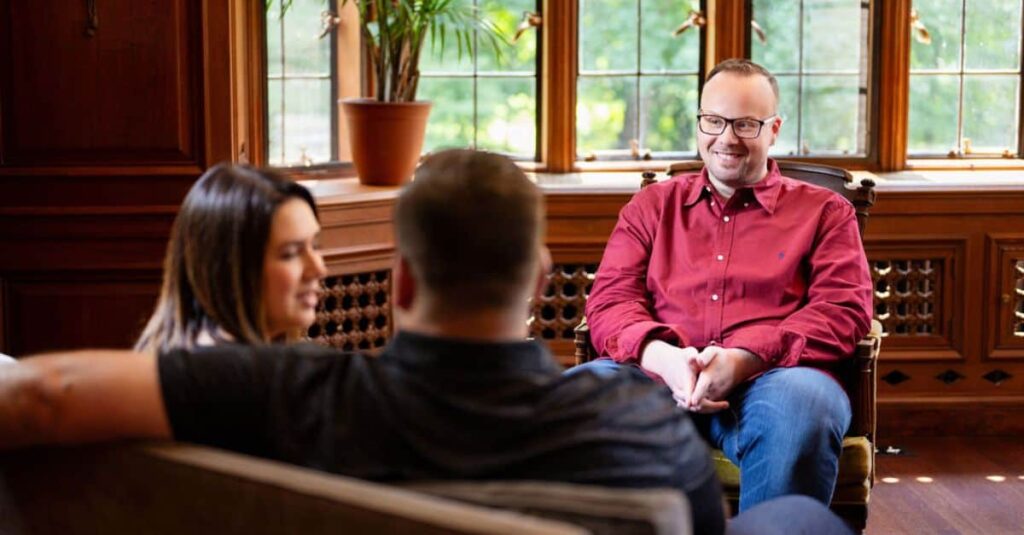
<point x="386" y="138"/>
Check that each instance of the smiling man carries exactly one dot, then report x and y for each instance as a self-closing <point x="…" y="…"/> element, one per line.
<point x="740" y="289"/>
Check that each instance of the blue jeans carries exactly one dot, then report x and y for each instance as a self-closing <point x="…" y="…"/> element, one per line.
<point x="784" y="430"/>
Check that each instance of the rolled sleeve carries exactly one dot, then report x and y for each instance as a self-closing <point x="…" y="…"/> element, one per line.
<point x="628" y="343"/>
<point x="774" y="345"/>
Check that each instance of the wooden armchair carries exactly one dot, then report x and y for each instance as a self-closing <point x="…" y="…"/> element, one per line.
<point x="858" y="374"/>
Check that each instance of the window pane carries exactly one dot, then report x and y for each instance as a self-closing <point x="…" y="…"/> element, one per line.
<point x="275" y="56"/>
<point x="521" y="56"/>
<point x="781" y="50"/>
<point x="990" y="112"/>
<point x="304" y="52"/>
<point x="789" y="92"/>
<point x="307" y="121"/>
<point x="605" y="113"/>
<point x="832" y="33"/>
<point x="970" y="109"/>
<point x="668" y="111"/>
<point x="451" y="116"/>
<point x="478" y="106"/>
<point x="608" y="35"/>
<point x="507" y="115"/>
<point x="300" y="104"/>
<point x="829" y="117"/>
<point x="943" y="20"/>
<point x="933" y="113"/>
<point x="817" y="50"/>
<point x="993" y="35"/>
<point x="661" y="51"/>
<point x="637" y="81"/>
<point x="441" y="52"/>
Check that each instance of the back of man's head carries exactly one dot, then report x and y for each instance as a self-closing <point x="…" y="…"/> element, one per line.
<point x="470" y="227"/>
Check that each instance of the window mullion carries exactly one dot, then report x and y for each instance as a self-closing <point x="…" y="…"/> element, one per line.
<point x="894" y="84"/>
<point x="558" y="85"/>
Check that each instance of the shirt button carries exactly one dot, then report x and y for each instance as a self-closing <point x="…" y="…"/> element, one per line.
<point x="714" y="297"/>
<point x="726" y="219"/>
<point x="746" y="204"/>
<point x="720" y="257"/>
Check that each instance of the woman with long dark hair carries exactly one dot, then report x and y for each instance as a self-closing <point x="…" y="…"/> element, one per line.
<point x="242" y="263"/>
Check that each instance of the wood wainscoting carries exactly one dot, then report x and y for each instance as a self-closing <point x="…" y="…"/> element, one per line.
<point x="949" y="291"/>
<point x="103" y="129"/>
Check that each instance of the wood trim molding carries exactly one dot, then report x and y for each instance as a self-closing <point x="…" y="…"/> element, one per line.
<point x="4" y="343"/>
<point x="949" y="415"/>
<point x="558" y="87"/>
<point x="252" y="120"/>
<point x="224" y="92"/>
<point x="724" y="18"/>
<point x="894" y="84"/>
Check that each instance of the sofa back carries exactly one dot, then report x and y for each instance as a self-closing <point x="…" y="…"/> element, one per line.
<point x="164" y="488"/>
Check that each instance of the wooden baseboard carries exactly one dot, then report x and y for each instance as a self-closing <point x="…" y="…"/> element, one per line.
<point x="961" y="415"/>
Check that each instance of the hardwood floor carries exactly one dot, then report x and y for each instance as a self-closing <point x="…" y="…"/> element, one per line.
<point x="950" y="485"/>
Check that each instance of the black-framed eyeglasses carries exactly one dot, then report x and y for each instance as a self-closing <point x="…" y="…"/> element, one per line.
<point x="744" y="127"/>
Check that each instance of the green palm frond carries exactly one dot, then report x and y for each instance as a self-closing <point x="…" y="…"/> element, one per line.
<point x="395" y="31"/>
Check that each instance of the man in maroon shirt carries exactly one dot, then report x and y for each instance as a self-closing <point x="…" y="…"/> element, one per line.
<point x="739" y="289"/>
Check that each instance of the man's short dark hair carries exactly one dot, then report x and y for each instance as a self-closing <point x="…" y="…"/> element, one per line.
<point x="745" y="67"/>
<point x="470" y="225"/>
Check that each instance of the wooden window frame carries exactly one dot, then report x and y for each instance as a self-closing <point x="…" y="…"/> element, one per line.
<point x="888" y="88"/>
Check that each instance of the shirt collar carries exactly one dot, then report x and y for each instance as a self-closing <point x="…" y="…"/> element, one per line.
<point x="766" y="191"/>
<point x="424" y="351"/>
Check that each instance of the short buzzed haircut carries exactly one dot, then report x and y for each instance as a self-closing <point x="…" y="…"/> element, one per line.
<point x="745" y="67"/>
<point x="470" y="224"/>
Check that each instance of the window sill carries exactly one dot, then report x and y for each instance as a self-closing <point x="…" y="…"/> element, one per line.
<point x="950" y="179"/>
<point x="964" y="164"/>
<point x="350" y="191"/>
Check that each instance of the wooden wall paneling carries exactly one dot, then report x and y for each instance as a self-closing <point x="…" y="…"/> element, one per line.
<point x="558" y="90"/>
<point x="917" y="295"/>
<point x="127" y="94"/>
<point x="1004" y="333"/>
<point x="70" y="309"/>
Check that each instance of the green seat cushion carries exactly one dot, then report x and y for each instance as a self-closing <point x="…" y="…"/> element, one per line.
<point x="854" y="467"/>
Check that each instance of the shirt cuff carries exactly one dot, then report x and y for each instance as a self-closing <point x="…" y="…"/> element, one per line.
<point x="625" y="347"/>
<point x="776" y="346"/>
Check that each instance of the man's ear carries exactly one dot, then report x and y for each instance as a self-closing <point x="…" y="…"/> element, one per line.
<point x="544" y="266"/>
<point x="776" y="126"/>
<point x="404" y="284"/>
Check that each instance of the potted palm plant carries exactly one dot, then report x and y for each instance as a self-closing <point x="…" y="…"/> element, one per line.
<point x="386" y="131"/>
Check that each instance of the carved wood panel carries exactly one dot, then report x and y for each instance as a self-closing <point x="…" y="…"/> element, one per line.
<point x="1006" y="311"/>
<point x="131" y="92"/>
<point x="354" y="312"/>
<point x="907" y="294"/>
<point x="916" y="297"/>
<point x="559" y="310"/>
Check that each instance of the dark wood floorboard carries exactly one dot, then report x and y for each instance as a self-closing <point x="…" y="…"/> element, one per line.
<point x="959" y="498"/>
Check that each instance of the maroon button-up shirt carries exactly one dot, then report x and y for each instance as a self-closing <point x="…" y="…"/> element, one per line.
<point x="778" y="270"/>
